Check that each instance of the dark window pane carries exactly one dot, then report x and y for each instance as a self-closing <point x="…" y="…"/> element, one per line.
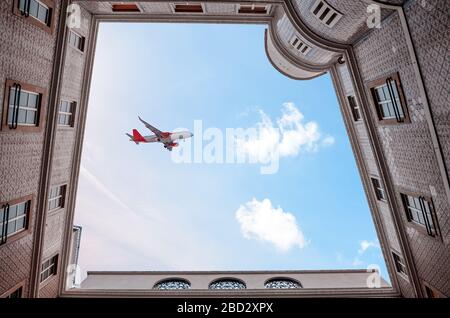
<point x="324" y="13"/>
<point x="316" y="11"/>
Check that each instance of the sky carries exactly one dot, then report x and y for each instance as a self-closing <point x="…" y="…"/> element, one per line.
<point x="144" y="208"/>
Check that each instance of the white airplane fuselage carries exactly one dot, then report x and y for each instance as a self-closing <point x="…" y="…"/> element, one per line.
<point x="181" y="135"/>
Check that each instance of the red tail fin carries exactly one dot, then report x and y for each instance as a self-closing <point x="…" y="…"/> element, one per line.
<point x="137" y="136"/>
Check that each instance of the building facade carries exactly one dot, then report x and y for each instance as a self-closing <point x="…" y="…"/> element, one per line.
<point x="389" y="61"/>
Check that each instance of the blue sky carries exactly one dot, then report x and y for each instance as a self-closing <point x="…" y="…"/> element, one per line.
<point x="140" y="210"/>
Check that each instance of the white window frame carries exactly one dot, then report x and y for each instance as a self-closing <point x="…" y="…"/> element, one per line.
<point x="61" y="195"/>
<point x="52" y="264"/>
<point x="70" y="114"/>
<point x="41" y="4"/>
<point x="331" y="12"/>
<point x="268" y="8"/>
<point x="18" y="217"/>
<point x="26" y="108"/>
<point x="173" y="5"/>
<point x="295" y="41"/>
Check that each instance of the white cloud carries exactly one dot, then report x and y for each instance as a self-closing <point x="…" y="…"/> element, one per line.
<point x="365" y="245"/>
<point x="260" y="220"/>
<point x="288" y="136"/>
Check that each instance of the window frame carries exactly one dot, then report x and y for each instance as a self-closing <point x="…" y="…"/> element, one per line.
<point x="421" y="228"/>
<point x="436" y="293"/>
<point x="13" y="289"/>
<point x="354" y="109"/>
<point x="82" y="41"/>
<point x="125" y="7"/>
<point x="50" y="4"/>
<point x="27" y="229"/>
<point x="372" y="86"/>
<point x="267" y="9"/>
<point x="331" y="9"/>
<point x="380" y="189"/>
<point x="401" y="262"/>
<point x="41" y="271"/>
<point x="41" y="112"/>
<point x="61" y="196"/>
<point x="188" y="3"/>
<point x="73" y="113"/>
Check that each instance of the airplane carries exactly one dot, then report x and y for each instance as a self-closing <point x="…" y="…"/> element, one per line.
<point x="167" y="138"/>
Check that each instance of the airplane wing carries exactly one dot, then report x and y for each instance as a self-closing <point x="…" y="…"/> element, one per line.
<point x="154" y="130"/>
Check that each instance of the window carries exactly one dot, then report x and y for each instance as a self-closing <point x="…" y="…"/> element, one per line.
<point x="252" y="9"/>
<point x="14" y="219"/>
<point x="57" y="197"/>
<point x="173" y="284"/>
<point x="22" y="106"/>
<point x="399" y="264"/>
<point x="325" y="13"/>
<point x="16" y="294"/>
<point x="419" y="211"/>
<point x="299" y="45"/>
<point x="188" y="8"/>
<point x="282" y="283"/>
<point x="66" y="113"/>
<point x="76" y="40"/>
<point x="40" y="11"/>
<point x="49" y="268"/>
<point x="125" y="7"/>
<point x="354" y="108"/>
<point x="379" y="190"/>
<point x="431" y="292"/>
<point x="389" y="101"/>
<point x="227" y="284"/>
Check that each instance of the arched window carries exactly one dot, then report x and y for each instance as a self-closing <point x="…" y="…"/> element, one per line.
<point x="227" y="283"/>
<point x="172" y="283"/>
<point x="282" y="283"/>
